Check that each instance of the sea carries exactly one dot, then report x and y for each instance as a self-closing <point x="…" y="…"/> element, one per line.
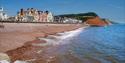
<point x="89" y="45"/>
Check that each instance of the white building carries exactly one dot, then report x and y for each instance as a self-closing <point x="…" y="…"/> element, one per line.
<point x="50" y="17"/>
<point x="3" y="15"/>
<point x="71" y="20"/>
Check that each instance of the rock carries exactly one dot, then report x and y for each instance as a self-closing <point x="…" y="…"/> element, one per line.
<point x="4" y="57"/>
<point x="18" y="61"/>
<point x="4" y="61"/>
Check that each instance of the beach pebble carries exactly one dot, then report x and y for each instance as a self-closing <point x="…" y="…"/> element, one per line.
<point x="4" y="61"/>
<point x="18" y="61"/>
<point x="39" y="51"/>
<point x="50" y="59"/>
<point x="4" y="56"/>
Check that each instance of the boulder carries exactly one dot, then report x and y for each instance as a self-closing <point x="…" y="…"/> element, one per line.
<point x="4" y="61"/>
<point x="4" y="58"/>
<point x="18" y="61"/>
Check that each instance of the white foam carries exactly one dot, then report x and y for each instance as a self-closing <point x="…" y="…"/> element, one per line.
<point x="71" y="33"/>
<point x="63" y="38"/>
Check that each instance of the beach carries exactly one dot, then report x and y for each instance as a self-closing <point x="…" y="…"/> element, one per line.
<point x="79" y="44"/>
<point x="14" y="35"/>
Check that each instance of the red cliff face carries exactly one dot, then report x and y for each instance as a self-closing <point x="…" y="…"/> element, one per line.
<point x="96" y="21"/>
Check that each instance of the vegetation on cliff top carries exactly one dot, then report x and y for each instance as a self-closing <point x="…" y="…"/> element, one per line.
<point x="83" y="16"/>
<point x="79" y="16"/>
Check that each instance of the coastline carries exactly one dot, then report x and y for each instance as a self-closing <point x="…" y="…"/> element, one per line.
<point x="15" y="35"/>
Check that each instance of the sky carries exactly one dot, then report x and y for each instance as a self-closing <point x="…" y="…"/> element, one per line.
<point x="113" y="10"/>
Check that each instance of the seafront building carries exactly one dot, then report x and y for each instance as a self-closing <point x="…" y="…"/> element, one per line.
<point x="34" y="15"/>
<point x="60" y="19"/>
<point x="3" y="15"/>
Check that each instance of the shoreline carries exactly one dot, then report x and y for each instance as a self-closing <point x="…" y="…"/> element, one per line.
<point x="23" y="36"/>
